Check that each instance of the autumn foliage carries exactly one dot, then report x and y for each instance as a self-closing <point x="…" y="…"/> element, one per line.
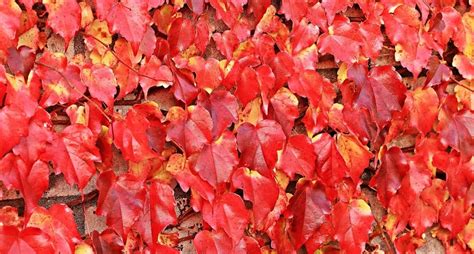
<point x="277" y="154"/>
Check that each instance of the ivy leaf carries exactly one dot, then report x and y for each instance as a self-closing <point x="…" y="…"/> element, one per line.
<point x="9" y="16"/>
<point x="285" y="109"/>
<point x="61" y="81"/>
<point x="402" y="27"/>
<point x="158" y="213"/>
<point x="223" y="107"/>
<point x="31" y="178"/>
<point x="342" y="41"/>
<point x="190" y="129"/>
<point x="355" y="155"/>
<point x="212" y="242"/>
<point x="456" y="130"/>
<point x="181" y="35"/>
<point x="11" y="116"/>
<point x="309" y="207"/>
<point x="64" y="17"/>
<point x="154" y="73"/>
<point x="380" y="91"/>
<point x="330" y="165"/>
<point x="73" y="152"/>
<point x="127" y="17"/>
<point x="58" y="223"/>
<point x="259" y="145"/>
<point x="216" y="161"/>
<point x="352" y="222"/>
<point x="454" y="215"/>
<point x="32" y="240"/>
<point x="464" y="65"/>
<point x="294" y="10"/>
<point x="333" y="7"/>
<point x="231" y="215"/>
<point x="251" y="182"/>
<point x="311" y="85"/>
<point x="422" y="105"/>
<point x="121" y="200"/>
<point x="140" y="135"/>
<point x="298" y="157"/>
<point x="388" y="179"/>
<point x="101" y="83"/>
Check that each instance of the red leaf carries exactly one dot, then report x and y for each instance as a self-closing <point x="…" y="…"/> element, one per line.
<point x="411" y="46"/>
<point x="183" y="88"/>
<point x="140" y="135"/>
<point x="58" y="223"/>
<point x="355" y="155"/>
<point x="456" y="130"/>
<point x="464" y="65"/>
<point x="252" y="183"/>
<point x="294" y="10"/>
<point x="73" y="152"/>
<point x="380" y="91"/>
<point x="298" y="157"/>
<point x="153" y="74"/>
<point x="121" y="199"/>
<point x="248" y="86"/>
<point x="311" y="85"/>
<point x="61" y="81"/>
<point x="223" y="107"/>
<point x="9" y="16"/>
<point x="21" y="60"/>
<point x="208" y="73"/>
<point x="454" y="215"/>
<point x="259" y="145"/>
<point x="159" y="213"/>
<point x="181" y="35"/>
<point x="309" y="207"/>
<point x="388" y="178"/>
<point x="190" y="129"/>
<point x="285" y="109"/>
<point x="332" y="7"/>
<point x="422" y="105"/>
<point x="352" y="223"/>
<point x="127" y="17"/>
<point x="101" y="83"/>
<point x="214" y="242"/>
<point x="330" y="166"/>
<point x="31" y="178"/>
<point x="230" y="215"/>
<point x="29" y="240"/>
<point x="342" y="41"/>
<point x="13" y="126"/>
<point x="64" y="17"/>
<point x="216" y="161"/>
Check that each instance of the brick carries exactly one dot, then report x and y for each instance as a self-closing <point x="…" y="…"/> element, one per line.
<point x="93" y="221"/>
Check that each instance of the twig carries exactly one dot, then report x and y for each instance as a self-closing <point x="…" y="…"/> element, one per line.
<point x="187" y="238"/>
<point x="184" y="216"/>
<point x="461" y="84"/>
<point x="124" y="63"/>
<point x="83" y="198"/>
<point x="75" y="89"/>
<point x="387" y="241"/>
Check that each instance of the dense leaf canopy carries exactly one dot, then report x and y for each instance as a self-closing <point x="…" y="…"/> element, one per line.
<point x="337" y="126"/>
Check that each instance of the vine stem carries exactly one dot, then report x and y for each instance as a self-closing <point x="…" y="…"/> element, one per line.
<point x="461" y="84"/>
<point x="75" y="89"/>
<point x="123" y="62"/>
<point x="186" y="238"/>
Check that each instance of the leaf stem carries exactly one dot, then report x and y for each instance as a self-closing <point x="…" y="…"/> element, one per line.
<point x="187" y="238"/>
<point x="75" y="89"/>
<point x="461" y="84"/>
<point x="123" y="62"/>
